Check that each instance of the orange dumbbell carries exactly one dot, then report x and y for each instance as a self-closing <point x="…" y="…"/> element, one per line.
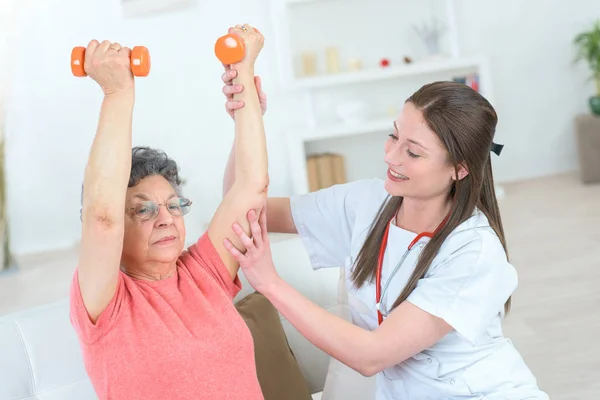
<point x="230" y="48"/>
<point x="140" y="61"/>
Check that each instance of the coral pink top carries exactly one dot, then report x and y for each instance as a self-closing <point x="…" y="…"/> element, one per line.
<point x="179" y="338"/>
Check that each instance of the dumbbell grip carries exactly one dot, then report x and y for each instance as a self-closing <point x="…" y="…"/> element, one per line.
<point x="140" y="61"/>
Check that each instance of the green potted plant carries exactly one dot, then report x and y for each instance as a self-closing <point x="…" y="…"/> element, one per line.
<point x="588" y="49"/>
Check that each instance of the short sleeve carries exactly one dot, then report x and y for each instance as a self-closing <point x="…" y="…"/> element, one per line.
<point x="325" y="220"/>
<point x="469" y="288"/>
<point x="204" y="257"/>
<point x="87" y="331"/>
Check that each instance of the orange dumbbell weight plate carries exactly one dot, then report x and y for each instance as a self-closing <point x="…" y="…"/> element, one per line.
<point x="230" y="49"/>
<point x="77" y="59"/>
<point x="140" y="61"/>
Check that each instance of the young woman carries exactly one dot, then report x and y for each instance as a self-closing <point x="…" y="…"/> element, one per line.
<point x="155" y="320"/>
<point x="426" y="263"/>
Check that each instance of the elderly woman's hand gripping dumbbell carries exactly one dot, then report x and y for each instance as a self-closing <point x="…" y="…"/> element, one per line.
<point x="229" y="49"/>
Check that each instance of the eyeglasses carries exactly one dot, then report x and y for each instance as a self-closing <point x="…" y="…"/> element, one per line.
<point x="146" y="210"/>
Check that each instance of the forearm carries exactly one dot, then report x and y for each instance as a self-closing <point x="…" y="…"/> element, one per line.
<point x="250" y="147"/>
<point x="340" y="339"/>
<point x="109" y="162"/>
<point x="229" y="176"/>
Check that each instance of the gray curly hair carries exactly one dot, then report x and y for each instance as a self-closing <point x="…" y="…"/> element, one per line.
<point x="145" y="162"/>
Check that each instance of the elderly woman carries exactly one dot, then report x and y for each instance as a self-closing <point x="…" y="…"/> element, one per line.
<point x="156" y="321"/>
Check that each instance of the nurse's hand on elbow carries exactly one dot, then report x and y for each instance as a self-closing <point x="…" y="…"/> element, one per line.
<point x="229" y="90"/>
<point x="256" y="262"/>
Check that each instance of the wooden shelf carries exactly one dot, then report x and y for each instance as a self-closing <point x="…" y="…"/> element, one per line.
<point x="370" y="75"/>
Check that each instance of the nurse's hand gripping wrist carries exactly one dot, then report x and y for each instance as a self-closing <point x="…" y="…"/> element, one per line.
<point x="257" y="262"/>
<point x="229" y="89"/>
<point x="238" y="61"/>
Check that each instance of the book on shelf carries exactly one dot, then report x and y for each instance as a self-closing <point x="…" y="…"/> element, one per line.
<point x="325" y="170"/>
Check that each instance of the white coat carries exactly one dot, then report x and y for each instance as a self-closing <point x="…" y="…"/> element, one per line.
<point x="467" y="285"/>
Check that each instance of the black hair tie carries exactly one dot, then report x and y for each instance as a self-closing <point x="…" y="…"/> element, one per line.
<point x="497" y="148"/>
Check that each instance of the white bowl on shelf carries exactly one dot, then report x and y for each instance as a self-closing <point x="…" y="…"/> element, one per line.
<point x="353" y="112"/>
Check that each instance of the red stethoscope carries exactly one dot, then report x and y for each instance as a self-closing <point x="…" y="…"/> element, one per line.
<point x="378" y="291"/>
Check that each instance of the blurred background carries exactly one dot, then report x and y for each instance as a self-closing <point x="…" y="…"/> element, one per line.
<point x="336" y="73"/>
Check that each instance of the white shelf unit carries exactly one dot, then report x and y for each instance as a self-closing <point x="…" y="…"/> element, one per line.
<point x="377" y="74"/>
<point x="298" y="137"/>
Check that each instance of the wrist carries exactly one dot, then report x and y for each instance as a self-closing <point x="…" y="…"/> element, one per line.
<point x="126" y="95"/>
<point x="122" y="93"/>
<point x="271" y="288"/>
<point x="244" y="71"/>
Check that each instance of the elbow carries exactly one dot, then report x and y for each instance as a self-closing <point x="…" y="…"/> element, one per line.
<point x="373" y="363"/>
<point x="376" y="364"/>
<point x="101" y="218"/>
<point x="258" y="186"/>
<point x="248" y="195"/>
<point x="100" y="222"/>
<point x="261" y="184"/>
<point x="368" y="369"/>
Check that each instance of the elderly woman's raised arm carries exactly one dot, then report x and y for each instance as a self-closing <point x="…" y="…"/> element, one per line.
<point x="249" y="190"/>
<point x="106" y="177"/>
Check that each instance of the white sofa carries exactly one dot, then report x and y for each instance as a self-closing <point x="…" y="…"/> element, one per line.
<point x="40" y="356"/>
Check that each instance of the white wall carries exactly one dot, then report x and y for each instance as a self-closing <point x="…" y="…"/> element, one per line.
<point x="537" y="89"/>
<point x="179" y="107"/>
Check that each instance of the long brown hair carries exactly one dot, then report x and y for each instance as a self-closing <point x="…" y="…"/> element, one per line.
<point x="465" y="122"/>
